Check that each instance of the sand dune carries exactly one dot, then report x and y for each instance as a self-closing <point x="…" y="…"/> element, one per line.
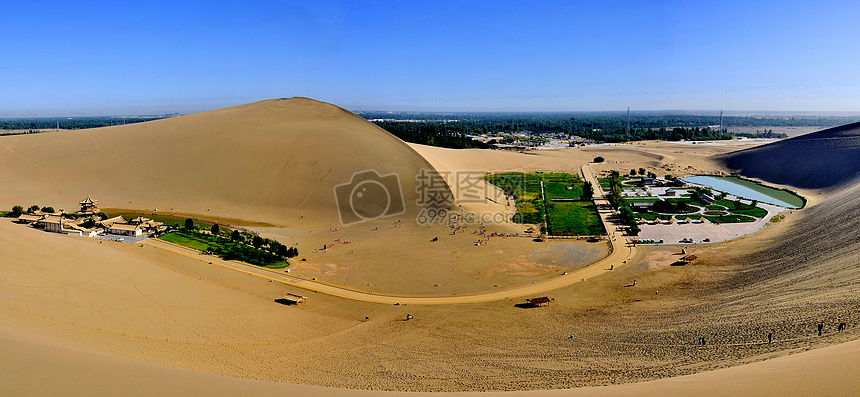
<point x="80" y="300"/>
<point x="37" y="368"/>
<point x="266" y="161"/>
<point x="818" y="160"/>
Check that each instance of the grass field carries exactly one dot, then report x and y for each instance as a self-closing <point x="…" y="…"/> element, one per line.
<point x="196" y="241"/>
<point x="559" y="190"/>
<point x="604" y="183"/>
<point x="579" y="217"/>
<point x="743" y="209"/>
<point x="225" y="248"/>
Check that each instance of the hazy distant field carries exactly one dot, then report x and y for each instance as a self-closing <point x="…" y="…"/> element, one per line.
<point x="790" y="131"/>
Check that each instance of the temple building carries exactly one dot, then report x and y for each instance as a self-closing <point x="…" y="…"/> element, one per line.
<point x="89" y="206"/>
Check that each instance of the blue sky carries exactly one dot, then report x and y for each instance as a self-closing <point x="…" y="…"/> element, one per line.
<point x="106" y="58"/>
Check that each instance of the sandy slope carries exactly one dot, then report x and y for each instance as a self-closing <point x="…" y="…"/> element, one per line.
<point x="818" y="160"/>
<point x="146" y="304"/>
<point x="268" y="161"/>
<point x="38" y="368"/>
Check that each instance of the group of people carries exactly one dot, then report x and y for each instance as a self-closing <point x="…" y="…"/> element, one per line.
<point x="841" y="327"/>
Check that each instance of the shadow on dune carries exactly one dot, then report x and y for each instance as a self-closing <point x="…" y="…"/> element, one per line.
<point x="821" y="160"/>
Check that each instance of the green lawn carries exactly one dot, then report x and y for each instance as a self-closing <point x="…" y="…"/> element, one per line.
<point x="604" y="183"/>
<point x="225" y="248"/>
<point x="559" y="190"/>
<point x="200" y="242"/>
<point x="743" y="209"/>
<point x="579" y="217"/>
<point x="756" y="212"/>
<point x="523" y="186"/>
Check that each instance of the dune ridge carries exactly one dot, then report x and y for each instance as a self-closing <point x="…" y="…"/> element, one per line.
<point x="265" y="161"/>
<point x="822" y="160"/>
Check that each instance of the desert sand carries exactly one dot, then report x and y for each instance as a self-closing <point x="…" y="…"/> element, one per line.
<point x="73" y="308"/>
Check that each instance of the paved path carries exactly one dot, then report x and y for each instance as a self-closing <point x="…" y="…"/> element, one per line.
<point x="619" y="254"/>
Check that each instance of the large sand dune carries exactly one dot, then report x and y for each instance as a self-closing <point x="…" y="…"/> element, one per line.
<point x="268" y="161"/>
<point x="819" y="160"/>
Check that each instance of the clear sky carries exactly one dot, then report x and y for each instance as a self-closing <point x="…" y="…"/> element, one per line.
<point x="152" y="57"/>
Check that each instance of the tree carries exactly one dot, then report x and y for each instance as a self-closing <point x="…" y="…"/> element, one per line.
<point x="17" y="210"/>
<point x="587" y="190"/>
<point x="641" y="171"/>
<point x="634" y="230"/>
<point x="274" y="246"/>
<point x="33" y="208"/>
<point x="48" y="210"/>
<point x="282" y="250"/>
<point x="598" y="159"/>
<point x="102" y="215"/>
<point x="633" y="172"/>
<point x="668" y="177"/>
<point x="236" y="236"/>
<point x="215" y="229"/>
<point x="615" y="197"/>
<point x="189" y="224"/>
<point x="292" y="252"/>
<point x="257" y="241"/>
<point x="652" y="175"/>
<point x="626" y="215"/>
<point x="615" y="189"/>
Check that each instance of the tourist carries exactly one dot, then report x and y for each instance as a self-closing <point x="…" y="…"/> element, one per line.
<point x="820" y="328"/>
